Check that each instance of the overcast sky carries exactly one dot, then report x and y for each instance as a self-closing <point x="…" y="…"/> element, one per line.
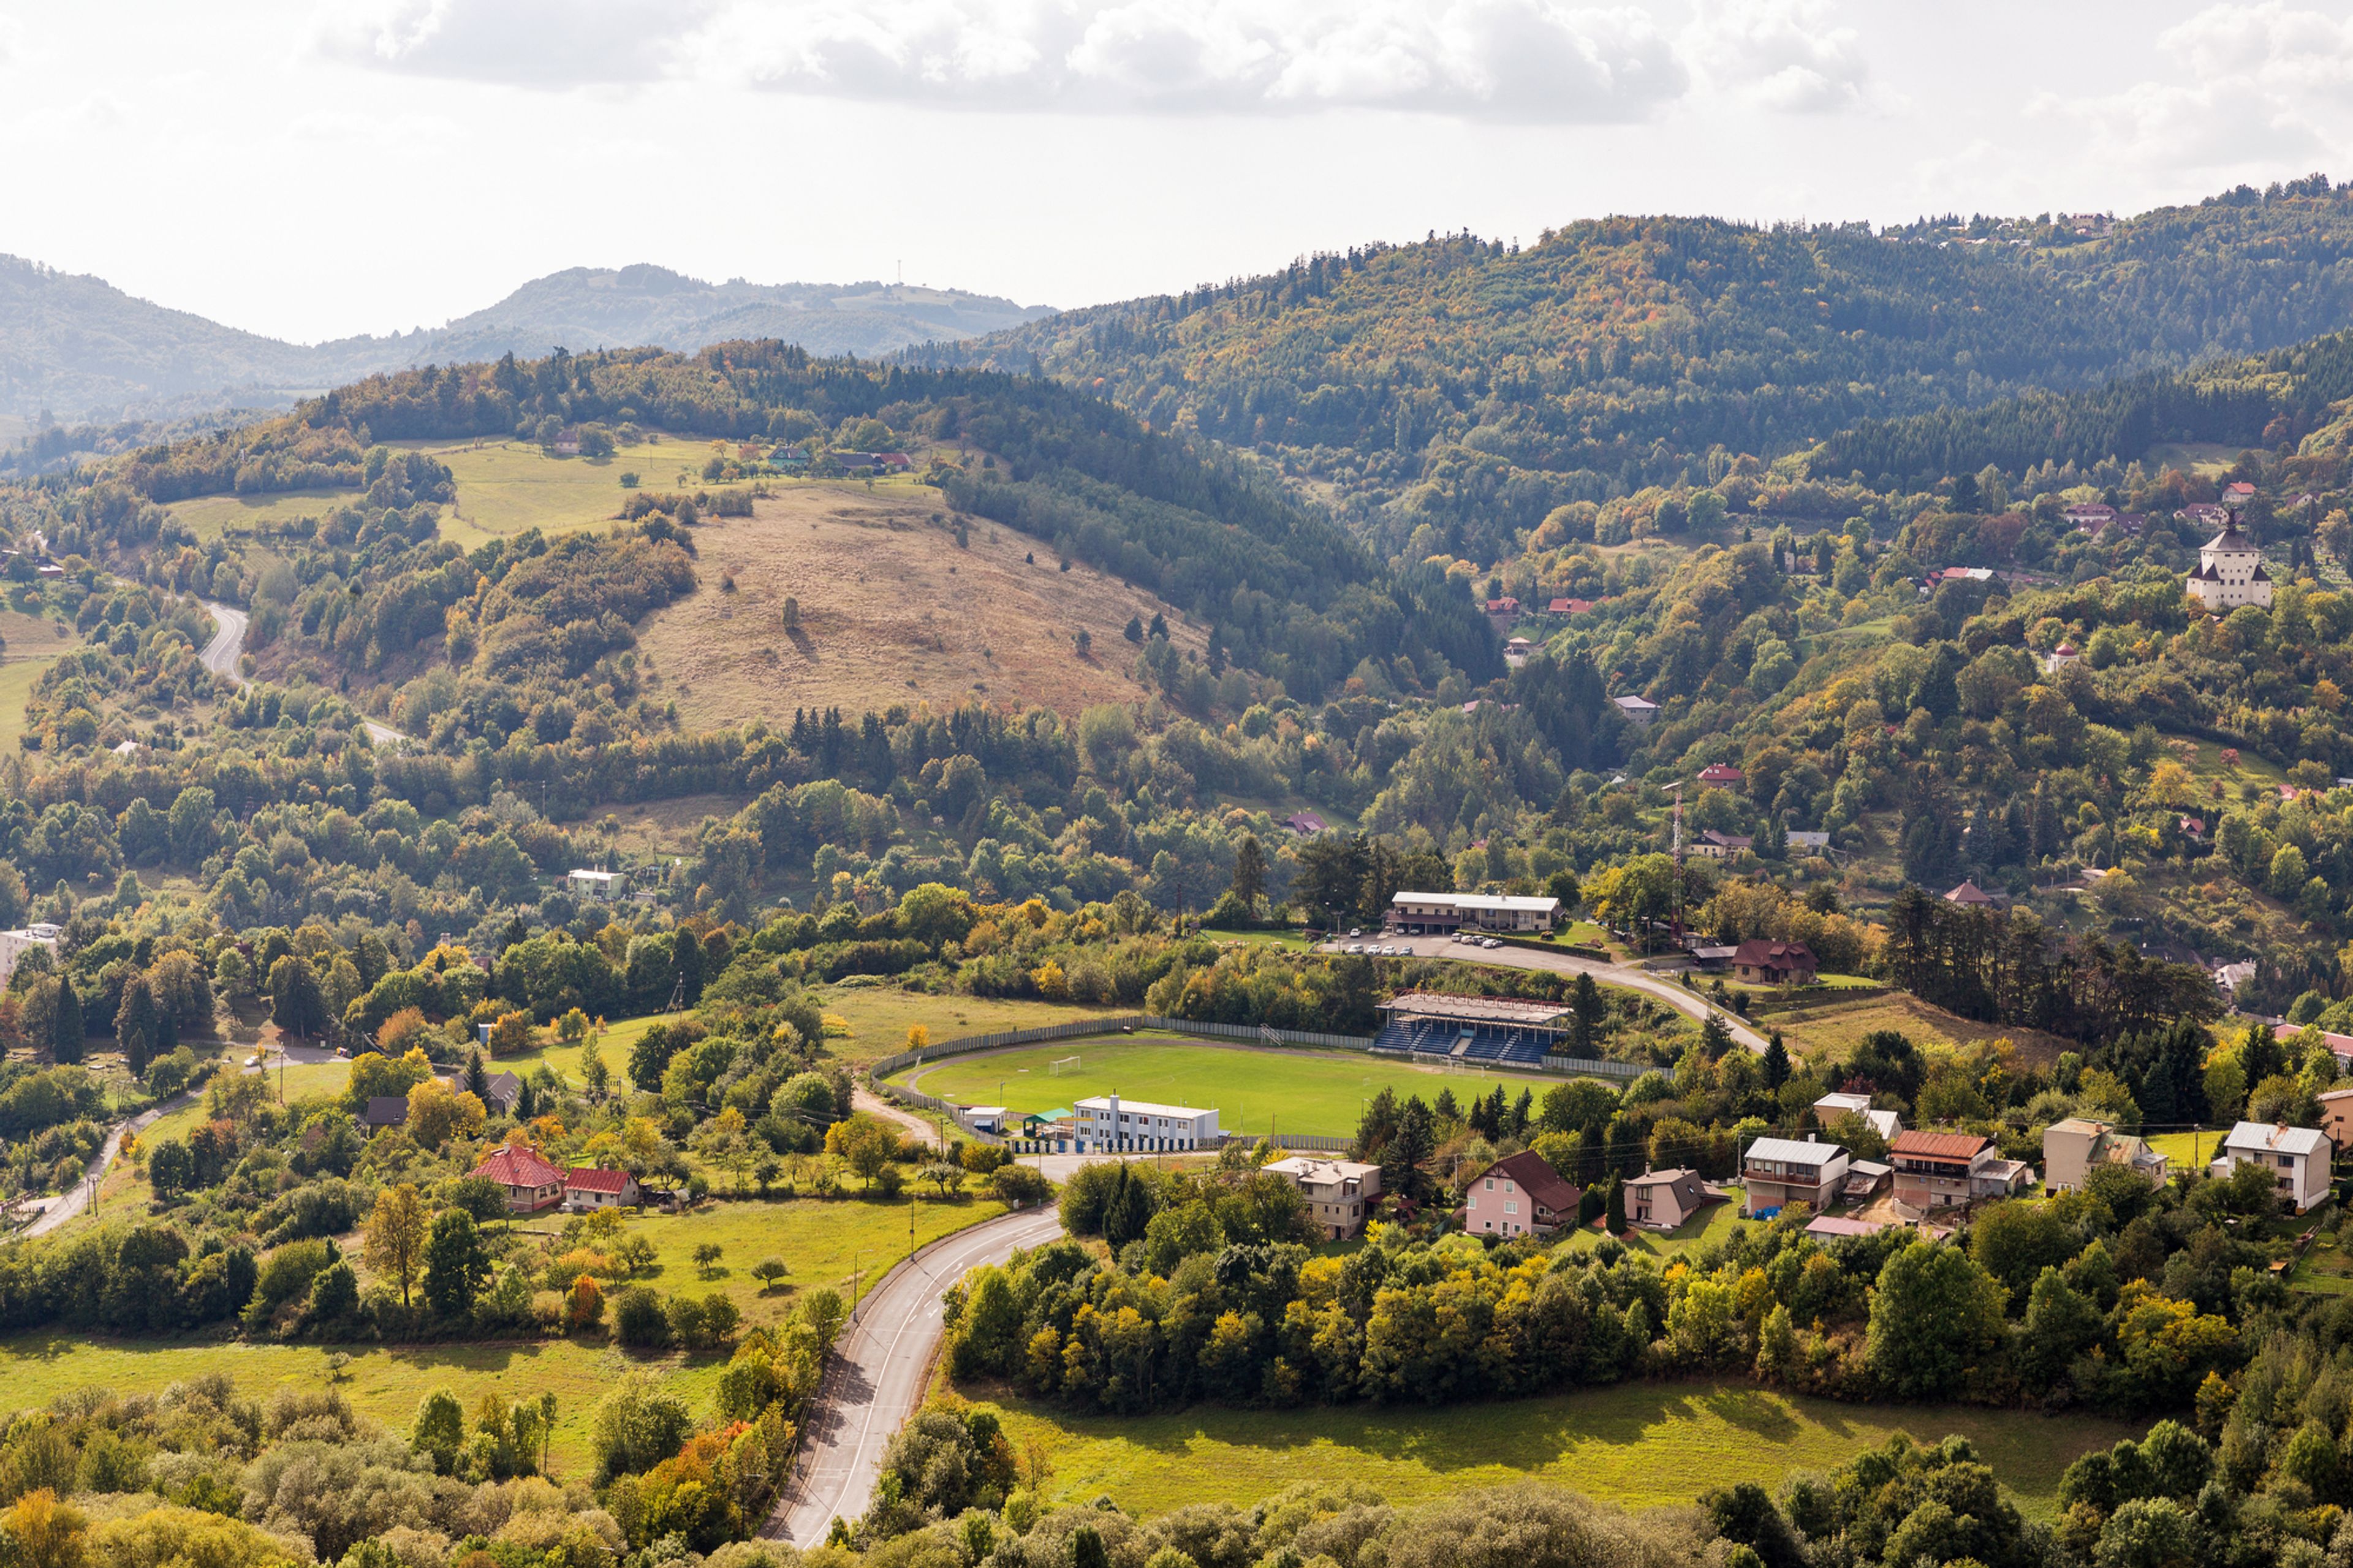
<point x="311" y="169"/>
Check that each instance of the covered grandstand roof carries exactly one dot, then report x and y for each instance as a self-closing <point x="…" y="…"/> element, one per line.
<point x="1474" y="1009"/>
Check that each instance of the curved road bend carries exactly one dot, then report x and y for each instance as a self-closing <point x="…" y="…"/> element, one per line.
<point x="1643" y="980"/>
<point x="220" y="656"/>
<point x="878" y="1375"/>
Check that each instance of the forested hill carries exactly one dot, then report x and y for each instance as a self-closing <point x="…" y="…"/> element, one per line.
<point x="1473" y="386"/>
<point x="79" y="346"/>
<point x="1284" y="589"/>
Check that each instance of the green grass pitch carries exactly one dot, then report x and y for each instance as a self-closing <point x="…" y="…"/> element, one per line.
<point x="1313" y="1093"/>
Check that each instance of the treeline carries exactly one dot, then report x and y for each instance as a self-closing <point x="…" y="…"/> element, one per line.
<point x="2004" y="968"/>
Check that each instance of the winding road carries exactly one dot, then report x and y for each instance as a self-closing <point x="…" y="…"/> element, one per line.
<point x="220" y="656"/>
<point x="880" y="1367"/>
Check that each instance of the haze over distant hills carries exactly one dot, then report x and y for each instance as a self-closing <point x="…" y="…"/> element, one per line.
<point x="78" y="347"/>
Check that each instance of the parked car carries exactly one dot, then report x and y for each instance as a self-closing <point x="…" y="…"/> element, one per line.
<point x="1488" y="941"/>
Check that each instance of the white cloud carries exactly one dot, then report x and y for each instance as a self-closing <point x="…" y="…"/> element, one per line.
<point x="1521" y="61"/>
<point x="533" y="43"/>
<point x="2252" y="85"/>
<point x="1788" y="56"/>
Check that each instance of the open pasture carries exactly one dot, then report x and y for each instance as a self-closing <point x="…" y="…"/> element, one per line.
<point x="1643" y="1445"/>
<point x="889" y="611"/>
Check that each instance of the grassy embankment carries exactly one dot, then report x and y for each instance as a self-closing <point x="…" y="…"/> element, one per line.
<point x="822" y="1243"/>
<point x="1641" y="1445"/>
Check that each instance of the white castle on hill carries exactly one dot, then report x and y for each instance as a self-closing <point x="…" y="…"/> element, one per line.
<point x="2230" y="571"/>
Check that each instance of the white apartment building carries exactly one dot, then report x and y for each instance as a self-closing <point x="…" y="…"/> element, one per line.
<point x="15" y="944"/>
<point x="1105" y="1121"/>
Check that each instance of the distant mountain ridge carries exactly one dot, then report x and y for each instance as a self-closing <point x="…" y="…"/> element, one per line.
<point x="78" y="347"/>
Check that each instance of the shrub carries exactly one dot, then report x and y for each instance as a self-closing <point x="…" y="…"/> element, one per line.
<point x="638" y="1318"/>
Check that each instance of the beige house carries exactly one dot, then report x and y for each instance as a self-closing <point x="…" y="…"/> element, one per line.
<point x="2336" y="1117"/>
<point x="1339" y="1192"/>
<point x="1779" y="1172"/>
<point x="2072" y="1147"/>
<point x="1661" y="1200"/>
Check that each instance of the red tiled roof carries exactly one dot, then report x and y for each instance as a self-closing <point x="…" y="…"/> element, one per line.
<point x="1720" y="773"/>
<point x="519" y="1166"/>
<point x="589" y="1179"/>
<point x="1938" y="1146"/>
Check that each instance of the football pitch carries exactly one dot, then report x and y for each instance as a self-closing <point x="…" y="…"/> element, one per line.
<point x="1314" y="1093"/>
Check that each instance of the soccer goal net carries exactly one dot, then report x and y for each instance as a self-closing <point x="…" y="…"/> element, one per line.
<point x="1056" y="1069"/>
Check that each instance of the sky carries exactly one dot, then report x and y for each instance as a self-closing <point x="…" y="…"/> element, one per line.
<point x="317" y="168"/>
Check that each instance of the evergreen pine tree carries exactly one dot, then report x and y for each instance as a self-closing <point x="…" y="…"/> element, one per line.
<point x="1776" y="1063"/>
<point x="65" y="1024"/>
<point x="1614" y="1208"/>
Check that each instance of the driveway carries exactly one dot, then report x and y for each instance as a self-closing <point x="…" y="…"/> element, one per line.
<point x="69" y="1203"/>
<point x="1689" y="1003"/>
<point x="880" y="1369"/>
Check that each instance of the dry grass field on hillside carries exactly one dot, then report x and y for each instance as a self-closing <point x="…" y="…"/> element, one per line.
<point x="892" y="611"/>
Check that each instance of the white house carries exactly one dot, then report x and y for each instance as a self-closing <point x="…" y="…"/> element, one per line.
<point x="1339" y="1192"/>
<point x="591" y="1187"/>
<point x="15" y="944"/>
<point x="1639" y="710"/>
<point x="1106" y="1121"/>
<point x="1830" y="1107"/>
<point x="2297" y="1157"/>
<point x="598" y="884"/>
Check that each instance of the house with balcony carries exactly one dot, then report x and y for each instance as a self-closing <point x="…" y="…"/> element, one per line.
<point x="1940" y="1170"/>
<point x="1663" y="1200"/>
<point x="1779" y="1172"/>
<point x="1340" y="1193"/>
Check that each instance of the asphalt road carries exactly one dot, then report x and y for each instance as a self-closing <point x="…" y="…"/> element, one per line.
<point x="220" y="656"/>
<point x="1648" y="981"/>
<point x="880" y="1366"/>
<point x="76" y="1198"/>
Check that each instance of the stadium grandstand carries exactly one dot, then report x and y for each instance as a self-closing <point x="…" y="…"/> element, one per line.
<point x="1510" y="1030"/>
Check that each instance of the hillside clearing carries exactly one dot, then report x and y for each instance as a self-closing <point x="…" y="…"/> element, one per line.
<point x="892" y="613"/>
<point x="1643" y="1445"/>
<point x="1810" y="1031"/>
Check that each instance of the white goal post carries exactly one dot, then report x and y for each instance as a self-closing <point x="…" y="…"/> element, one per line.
<point x="1057" y="1069"/>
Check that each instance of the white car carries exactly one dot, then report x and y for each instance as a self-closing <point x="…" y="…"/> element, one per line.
<point x="1488" y="941"/>
<point x="1356" y="947"/>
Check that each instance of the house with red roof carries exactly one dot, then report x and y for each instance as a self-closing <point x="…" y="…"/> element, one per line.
<point x="1723" y="774"/>
<point x="589" y="1187"/>
<point x="531" y="1182"/>
<point x="1757" y="962"/>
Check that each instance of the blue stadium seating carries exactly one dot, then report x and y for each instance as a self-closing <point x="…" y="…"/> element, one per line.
<point x="1467" y="1042"/>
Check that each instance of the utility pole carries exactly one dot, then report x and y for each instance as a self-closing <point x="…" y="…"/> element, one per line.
<point x="1678" y="787"/>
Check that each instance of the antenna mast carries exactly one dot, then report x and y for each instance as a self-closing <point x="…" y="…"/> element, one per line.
<point x="1678" y="787"/>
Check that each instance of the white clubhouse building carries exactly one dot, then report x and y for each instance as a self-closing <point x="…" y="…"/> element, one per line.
<point x="1105" y="1121"/>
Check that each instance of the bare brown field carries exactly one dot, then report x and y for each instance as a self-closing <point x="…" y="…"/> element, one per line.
<point x="892" y="611"/>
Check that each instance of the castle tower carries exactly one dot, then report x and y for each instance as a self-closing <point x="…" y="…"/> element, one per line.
<point x="2230" y="571"/>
